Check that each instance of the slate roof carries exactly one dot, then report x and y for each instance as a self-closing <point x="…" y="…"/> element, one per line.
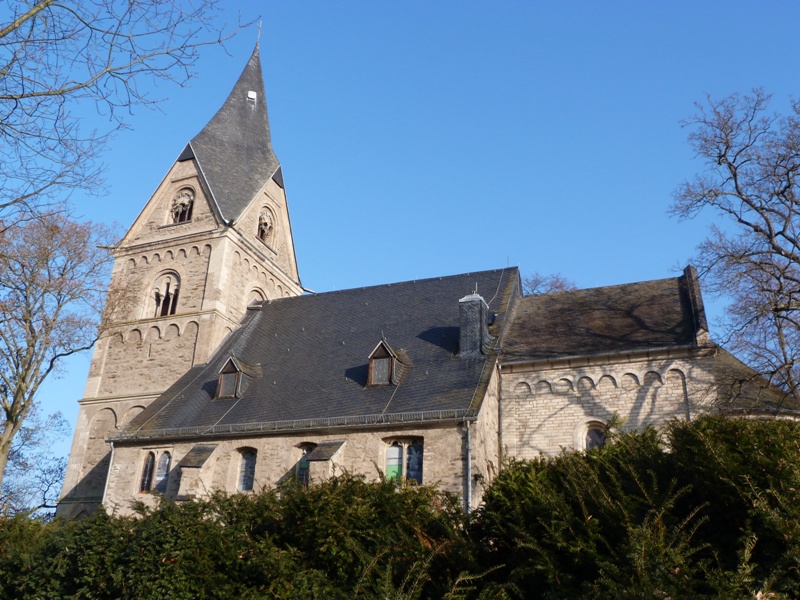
<point x="324" y="451"/>
<point x="313" y="354"/>
<point x="198" y="455"/>
<point x="621" y="318"/>
<point x="742" y="391"/>
<point x="234" y="150"/>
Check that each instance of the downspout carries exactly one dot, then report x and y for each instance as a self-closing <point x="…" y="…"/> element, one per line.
<point x="108" y="475"/>
<point x="500" y="458"/>
<point x="468" y="495"/>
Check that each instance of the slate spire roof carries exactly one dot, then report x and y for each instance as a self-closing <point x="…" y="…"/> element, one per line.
<point x="234" y="150"/>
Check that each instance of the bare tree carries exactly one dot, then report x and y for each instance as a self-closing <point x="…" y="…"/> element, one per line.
<point x="752" y="257"/>
<point x="536" y="283"/>
<point x="33" y="475"/>
<point x="58" y="58"/>
<point x="53" y="275"/>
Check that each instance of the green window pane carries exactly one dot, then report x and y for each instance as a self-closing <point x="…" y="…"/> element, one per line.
<point x="394" y="461"/>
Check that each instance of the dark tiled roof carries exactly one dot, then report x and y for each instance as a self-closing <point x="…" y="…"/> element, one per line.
<point x="630" y="317"/>
<point x="324" y="451"/>
<point x="198" y="455"/>
<point x="741" y="390"/>
<point x="234" y="150"/>
<point x="313" y="352"/>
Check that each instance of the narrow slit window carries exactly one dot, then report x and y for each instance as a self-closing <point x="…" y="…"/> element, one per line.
<point x="167" y="302"/>
<point x="174" y="304"/>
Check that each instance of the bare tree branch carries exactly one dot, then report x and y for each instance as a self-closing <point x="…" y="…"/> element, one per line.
<point x="537" y="283"/>
<point x="60" y="57"/>
<point x="52" y="283"/>
<point x="33" y="475"/>
<point x="752" y="163"/>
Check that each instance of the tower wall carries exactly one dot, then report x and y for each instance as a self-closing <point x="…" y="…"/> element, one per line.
<point x="217" y="269"/>
<point x="184" y="275"/>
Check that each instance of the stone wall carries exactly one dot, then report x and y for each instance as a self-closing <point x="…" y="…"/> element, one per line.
<point x="363" y="453"/>
<point x="217" y="269"/>
<point x="485" y="440"/>
<point x="155" y="221"/>
<point x="548" y="406"/>
<point x="278" y="248"/>
<point x="90" y="455"/>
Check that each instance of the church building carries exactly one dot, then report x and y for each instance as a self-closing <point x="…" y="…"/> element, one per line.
<point x="218" y="371"/>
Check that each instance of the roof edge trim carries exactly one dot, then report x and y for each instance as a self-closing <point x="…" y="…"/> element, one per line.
<point x="618" y="353"/>
<point x="268" y="427"/>
<point x="207" y="184"/>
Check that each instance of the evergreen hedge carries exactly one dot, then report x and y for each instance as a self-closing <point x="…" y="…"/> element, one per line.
<point x="707" y="508"/>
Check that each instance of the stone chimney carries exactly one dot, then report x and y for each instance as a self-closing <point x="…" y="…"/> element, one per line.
<point x="474" y="339"/>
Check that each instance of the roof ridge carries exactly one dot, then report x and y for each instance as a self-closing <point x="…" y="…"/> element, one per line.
<point x="605" y="287"/>
<point x="409" y="281"/>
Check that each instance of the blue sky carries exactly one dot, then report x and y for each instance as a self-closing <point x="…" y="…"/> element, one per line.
<point x="432" y="138"/>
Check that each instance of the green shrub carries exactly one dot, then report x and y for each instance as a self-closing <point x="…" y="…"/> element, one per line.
<point x="710" y="511"/>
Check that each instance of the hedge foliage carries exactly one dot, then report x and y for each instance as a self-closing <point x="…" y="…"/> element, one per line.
<point x="708" y="508"/>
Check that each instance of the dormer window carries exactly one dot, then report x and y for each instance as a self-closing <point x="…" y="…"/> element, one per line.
<point x="234" y="377"/>
<point x="381" y="365"/>
<point x="182" y="205"/>
<point x="381" y="371"/>
<point x="229" y="380"/>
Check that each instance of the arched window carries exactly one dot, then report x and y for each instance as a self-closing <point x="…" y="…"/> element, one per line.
<point x="410" y="469"/>
<point x="394" y="461"/>
<point x="182" y="205"/>
<point x="266" y="226"/>
<point x="247" y="470"/>
<point x="256" y="297"/>
<point x="591" y="432"/>
<point x="147" y="472"/>
<point x="595" y="436"/>
<point x="414" y="462"/>
<point x="165" y="295"/>
<point x="162" y="473"/>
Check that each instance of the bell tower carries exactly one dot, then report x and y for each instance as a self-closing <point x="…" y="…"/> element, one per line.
<point x="213" y="238"/>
